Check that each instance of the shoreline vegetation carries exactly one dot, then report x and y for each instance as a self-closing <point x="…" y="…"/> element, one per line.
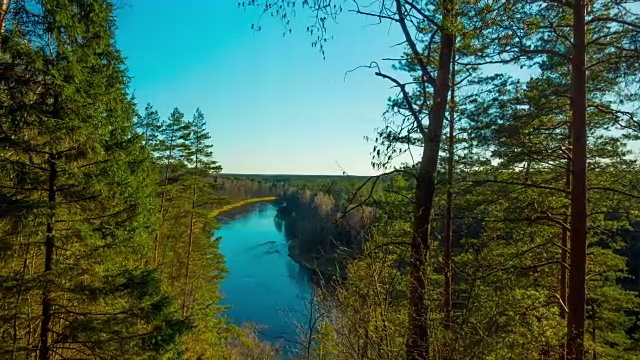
<point x="234" y="205"/>
<point x="328" y="266"/>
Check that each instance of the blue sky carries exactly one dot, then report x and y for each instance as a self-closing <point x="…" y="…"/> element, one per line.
<point x="272" y="104"/>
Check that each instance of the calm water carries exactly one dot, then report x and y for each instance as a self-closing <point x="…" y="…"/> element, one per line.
<point x="263" y="284"/>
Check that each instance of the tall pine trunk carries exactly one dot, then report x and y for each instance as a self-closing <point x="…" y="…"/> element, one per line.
<point x="189" y="248"/>
<point x="49" y="245"/>
<point x="190" y="245"/>
<point x="448" y="231"/>
<point x="23" y="273"/>
<point x="578" y="254"/>
<point x="4" y="9"/>
<point x="156" y="240"/>
<point x="417" y="345"/>
<point x="563" y="251"/>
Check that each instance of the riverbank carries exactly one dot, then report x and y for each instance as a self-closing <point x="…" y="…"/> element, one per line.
<point x="327" y="266"/>
<point x="225" y="208"/>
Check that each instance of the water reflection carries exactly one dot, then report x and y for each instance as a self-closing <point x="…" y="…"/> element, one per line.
<point x="278" y="224"/>
<point x="299" y="274"/>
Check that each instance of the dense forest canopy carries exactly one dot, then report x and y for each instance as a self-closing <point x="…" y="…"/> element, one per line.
<point x="513" y="234"/>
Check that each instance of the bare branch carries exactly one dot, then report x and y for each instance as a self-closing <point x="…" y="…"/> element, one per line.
<point x="407" y="100"/>
<point x="372" y="65"/>
<point x="379" y="16"/>
<point x="537" y="186"/>
<point x="615" y="191"/>
<point x="428" y="78"/>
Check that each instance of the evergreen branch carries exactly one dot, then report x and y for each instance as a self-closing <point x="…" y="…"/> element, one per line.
<point x="618" y="21"/>
<point x="375" y="179"/>
<point x="411" y="200"/>
<point x="565" y="3"/>
<point x="615" y="191"/>
<point x="547" y="263"/>
<point x="595" y="40"/>
<point x="92" y="197"/>
<point x="22" y="163"/>
<point x="537" y="186"/>
<point x="70" y="311"/>
<point x="521" y="269"/>
<point x="93" y="163"/>
<point x="96" y="217"/>
<point x="616" y="115"/>
<point x="561" y="247"/>
<point x="22" y="188"/>
<point x="11" y="143"/>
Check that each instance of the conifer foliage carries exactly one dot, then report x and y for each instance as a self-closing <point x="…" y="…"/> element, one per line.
<point x="80" y="207"/>
<point x="77" y="203"/>
<point x="183" y="250"/>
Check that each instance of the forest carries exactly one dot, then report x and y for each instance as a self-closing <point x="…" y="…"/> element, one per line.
<point x="514" y="232"/>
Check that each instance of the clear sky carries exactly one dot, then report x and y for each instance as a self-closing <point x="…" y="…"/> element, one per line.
<point x="272" y="104"/>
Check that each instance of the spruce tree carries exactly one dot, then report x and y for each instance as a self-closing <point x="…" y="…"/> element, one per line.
<point x="79" y="206"/>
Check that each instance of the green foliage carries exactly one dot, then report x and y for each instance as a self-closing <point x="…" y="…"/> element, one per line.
<point x="79" y="203"/>
<point x="106" y="231"/>
<point x="148" y="126"/>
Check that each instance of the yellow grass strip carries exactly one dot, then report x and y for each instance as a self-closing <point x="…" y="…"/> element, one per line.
<point x="219" y="211"/>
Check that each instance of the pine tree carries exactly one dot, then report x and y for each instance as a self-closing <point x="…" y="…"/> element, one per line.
<point x="199" y="156"/>
<point x="148" y="125"/>
<point x="591" y="39"/>
<point x="170" y="154"/>
<point x="527" y="126"/>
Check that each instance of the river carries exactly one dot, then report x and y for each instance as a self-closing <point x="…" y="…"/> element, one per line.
<point x="264" y="285"/>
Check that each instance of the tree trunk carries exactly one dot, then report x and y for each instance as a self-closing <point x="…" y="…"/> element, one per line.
<point x="4" y="9"/>
<point x="190" y="246"/>
<point x="16" y="312"/>
<point x="594" y="330"/>
<point x="156" y="240"/>
<point x="43" y="353"/>
<point x="578" y="255"/>
<point x="448" y="231"/>
<point x="563" y="252"/>
<point x="417" y="346"/>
